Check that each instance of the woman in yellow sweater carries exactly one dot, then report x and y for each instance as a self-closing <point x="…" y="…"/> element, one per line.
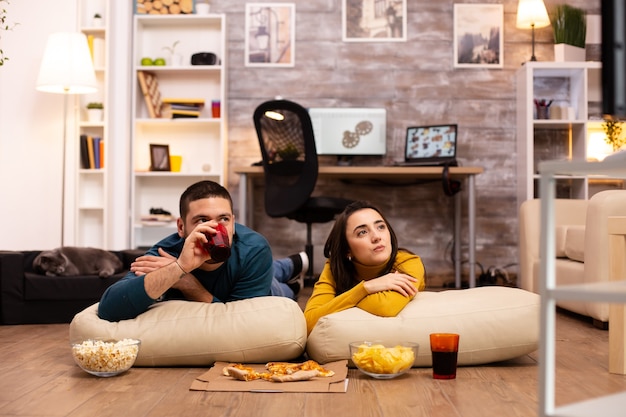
<point x="365" y="268"/>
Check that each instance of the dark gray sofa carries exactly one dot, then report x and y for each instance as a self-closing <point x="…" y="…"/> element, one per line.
<point x="27" y="297"/>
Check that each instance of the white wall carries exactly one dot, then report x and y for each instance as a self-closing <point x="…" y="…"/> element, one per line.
<point x="31" y="130"/>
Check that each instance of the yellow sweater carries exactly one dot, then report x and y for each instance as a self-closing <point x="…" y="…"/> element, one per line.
<point x="325" y="300"/>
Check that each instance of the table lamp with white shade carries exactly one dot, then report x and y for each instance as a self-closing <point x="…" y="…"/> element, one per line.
<point x="66" y="68"/>
<point x="532" y="14"/>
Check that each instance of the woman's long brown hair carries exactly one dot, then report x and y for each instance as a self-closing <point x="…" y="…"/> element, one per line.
<point x="336" y="248"/>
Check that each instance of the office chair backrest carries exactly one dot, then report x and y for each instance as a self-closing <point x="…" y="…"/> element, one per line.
<point x="287" y="144"/>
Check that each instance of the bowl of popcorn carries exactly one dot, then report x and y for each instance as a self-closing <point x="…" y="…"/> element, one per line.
<point x="383" y="360"/>
<point x="105" y="358"/>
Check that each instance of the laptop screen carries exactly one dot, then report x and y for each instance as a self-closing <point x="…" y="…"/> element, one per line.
<point x="436" y="144"/>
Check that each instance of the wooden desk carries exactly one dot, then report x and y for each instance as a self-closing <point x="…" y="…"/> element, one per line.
<point x="249" y="173"/>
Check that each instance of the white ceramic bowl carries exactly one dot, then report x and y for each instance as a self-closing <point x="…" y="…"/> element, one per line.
<point x="105" y="357"/>
<point x="383" y="360"/>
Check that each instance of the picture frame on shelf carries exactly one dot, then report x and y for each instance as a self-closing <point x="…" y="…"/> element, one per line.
<point x="483" y="22"/>
<point x="270" y="38"/>
<point x="367" y="21"/>
<point x="160" y="158"/>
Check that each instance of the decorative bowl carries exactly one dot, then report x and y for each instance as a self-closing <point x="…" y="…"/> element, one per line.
<point x="383" y="360"/>
<point x="105" y="357"/>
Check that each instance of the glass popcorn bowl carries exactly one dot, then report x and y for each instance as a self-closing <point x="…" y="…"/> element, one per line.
<point x="103" y="357"/>
<point x="383" y="360"/>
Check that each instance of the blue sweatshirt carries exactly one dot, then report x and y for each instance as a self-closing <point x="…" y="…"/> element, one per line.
<point x="246" y="274"/>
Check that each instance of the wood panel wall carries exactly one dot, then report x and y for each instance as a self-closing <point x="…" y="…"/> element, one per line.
<point x="417" y="84"/>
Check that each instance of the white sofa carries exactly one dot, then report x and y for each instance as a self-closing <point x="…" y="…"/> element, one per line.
<point x="582" y="245"/>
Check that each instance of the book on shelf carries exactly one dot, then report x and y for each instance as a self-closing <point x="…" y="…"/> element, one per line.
<point x="179" y="114"/>
<point x="174" y="106"/>
<point x="183" y="100"/>
<point x="91" y="152"/>
<point x="84" y="152"/>
<point x="152" y="95"/>
<point x="92" y="157"/>
<point x="96" y="152"/>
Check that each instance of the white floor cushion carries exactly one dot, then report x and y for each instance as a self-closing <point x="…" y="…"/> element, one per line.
<point x="495" y="324"/>
<point x="184" y="333"/>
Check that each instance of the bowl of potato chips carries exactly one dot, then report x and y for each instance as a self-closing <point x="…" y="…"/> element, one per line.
<point x="383" y="360"/>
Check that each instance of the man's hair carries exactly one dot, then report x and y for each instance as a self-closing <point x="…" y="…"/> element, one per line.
<point x="200" y="190"/>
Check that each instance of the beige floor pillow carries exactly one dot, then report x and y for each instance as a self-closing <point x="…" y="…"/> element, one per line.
<point x="495" y="324"/>
<point x="184" y="333"/>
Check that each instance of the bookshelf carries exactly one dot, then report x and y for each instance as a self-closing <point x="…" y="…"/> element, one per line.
<point x="569" y="85"/>
<point x="90" y="220"/>
<point x="200" y="141"/>
<point x="570" y="131"/>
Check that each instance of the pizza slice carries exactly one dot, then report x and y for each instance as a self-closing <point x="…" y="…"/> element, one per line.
<point x="287" y="368"/>
<point x="244" y="373"/>
<point x="296" y="376"/>
<point x="278" y="371"/>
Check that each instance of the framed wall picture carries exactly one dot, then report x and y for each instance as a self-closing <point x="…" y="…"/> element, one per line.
<point x="374" y="20"/>
<point x="478" y="30"/>
<point x="270" y="34"/>
<point x="159" y="158"/>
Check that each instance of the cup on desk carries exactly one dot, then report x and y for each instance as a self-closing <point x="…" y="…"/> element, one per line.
<point x="445" y="349"/>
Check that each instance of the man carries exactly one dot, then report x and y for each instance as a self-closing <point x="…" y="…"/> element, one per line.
<point x="178" y="267"/>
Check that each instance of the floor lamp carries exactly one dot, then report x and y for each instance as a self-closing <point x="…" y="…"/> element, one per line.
<point x="532" y="14"/>
<point x="66" y="68"/>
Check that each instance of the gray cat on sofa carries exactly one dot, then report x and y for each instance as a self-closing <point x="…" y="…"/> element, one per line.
<point x="70" y="260"/>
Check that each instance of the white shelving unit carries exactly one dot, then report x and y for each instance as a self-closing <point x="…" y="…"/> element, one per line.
<point x="613" y="291"/>
<point x="574" y="85"/>
<point x="90" y="224"/>
<point x="202" y="142"/>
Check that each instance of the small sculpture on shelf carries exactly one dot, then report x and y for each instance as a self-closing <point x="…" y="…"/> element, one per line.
<point x="175" y="59"/>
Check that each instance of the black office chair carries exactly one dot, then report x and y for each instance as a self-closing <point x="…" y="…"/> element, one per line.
<point x="290" y="164"/>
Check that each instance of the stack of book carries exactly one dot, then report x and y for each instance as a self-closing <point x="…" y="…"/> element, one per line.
<point x="176" y="108"/>
<point x="91" y="152"/>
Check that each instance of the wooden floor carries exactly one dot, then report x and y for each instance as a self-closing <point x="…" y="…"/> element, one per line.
<point x="39" y="378"/>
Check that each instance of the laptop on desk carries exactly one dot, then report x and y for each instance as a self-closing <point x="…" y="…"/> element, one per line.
<point x="430" y="146"/>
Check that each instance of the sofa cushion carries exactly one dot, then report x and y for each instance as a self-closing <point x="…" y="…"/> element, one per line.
<point x="559" y="237"/>
<point x="495" y="324"/>
<point x="575" y="243"/>
<point x="185" y="333"/>
<point x="89" y="287"/>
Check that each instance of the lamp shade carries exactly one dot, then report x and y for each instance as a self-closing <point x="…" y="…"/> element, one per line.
<point x="66" y="66"/>
<point x="532" y="13"/>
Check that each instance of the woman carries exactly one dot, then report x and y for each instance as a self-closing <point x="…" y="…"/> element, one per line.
<point x="365" y="268"/>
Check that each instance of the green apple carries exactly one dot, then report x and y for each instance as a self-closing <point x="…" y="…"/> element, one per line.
<point x="146" y="61"/>
<point x="159" y="61"/>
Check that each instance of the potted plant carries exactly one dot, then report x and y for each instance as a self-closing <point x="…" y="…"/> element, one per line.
<point x="569" y="25"/>
<point x="97" y="20"/>
<point x="613" y="131"/>
<point x="175" y="59"/>
<point x="95" y="111"/>
<point x="4" y="25"/>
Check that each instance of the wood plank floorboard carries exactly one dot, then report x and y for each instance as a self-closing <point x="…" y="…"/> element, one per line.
<point x="38" y="377"/>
